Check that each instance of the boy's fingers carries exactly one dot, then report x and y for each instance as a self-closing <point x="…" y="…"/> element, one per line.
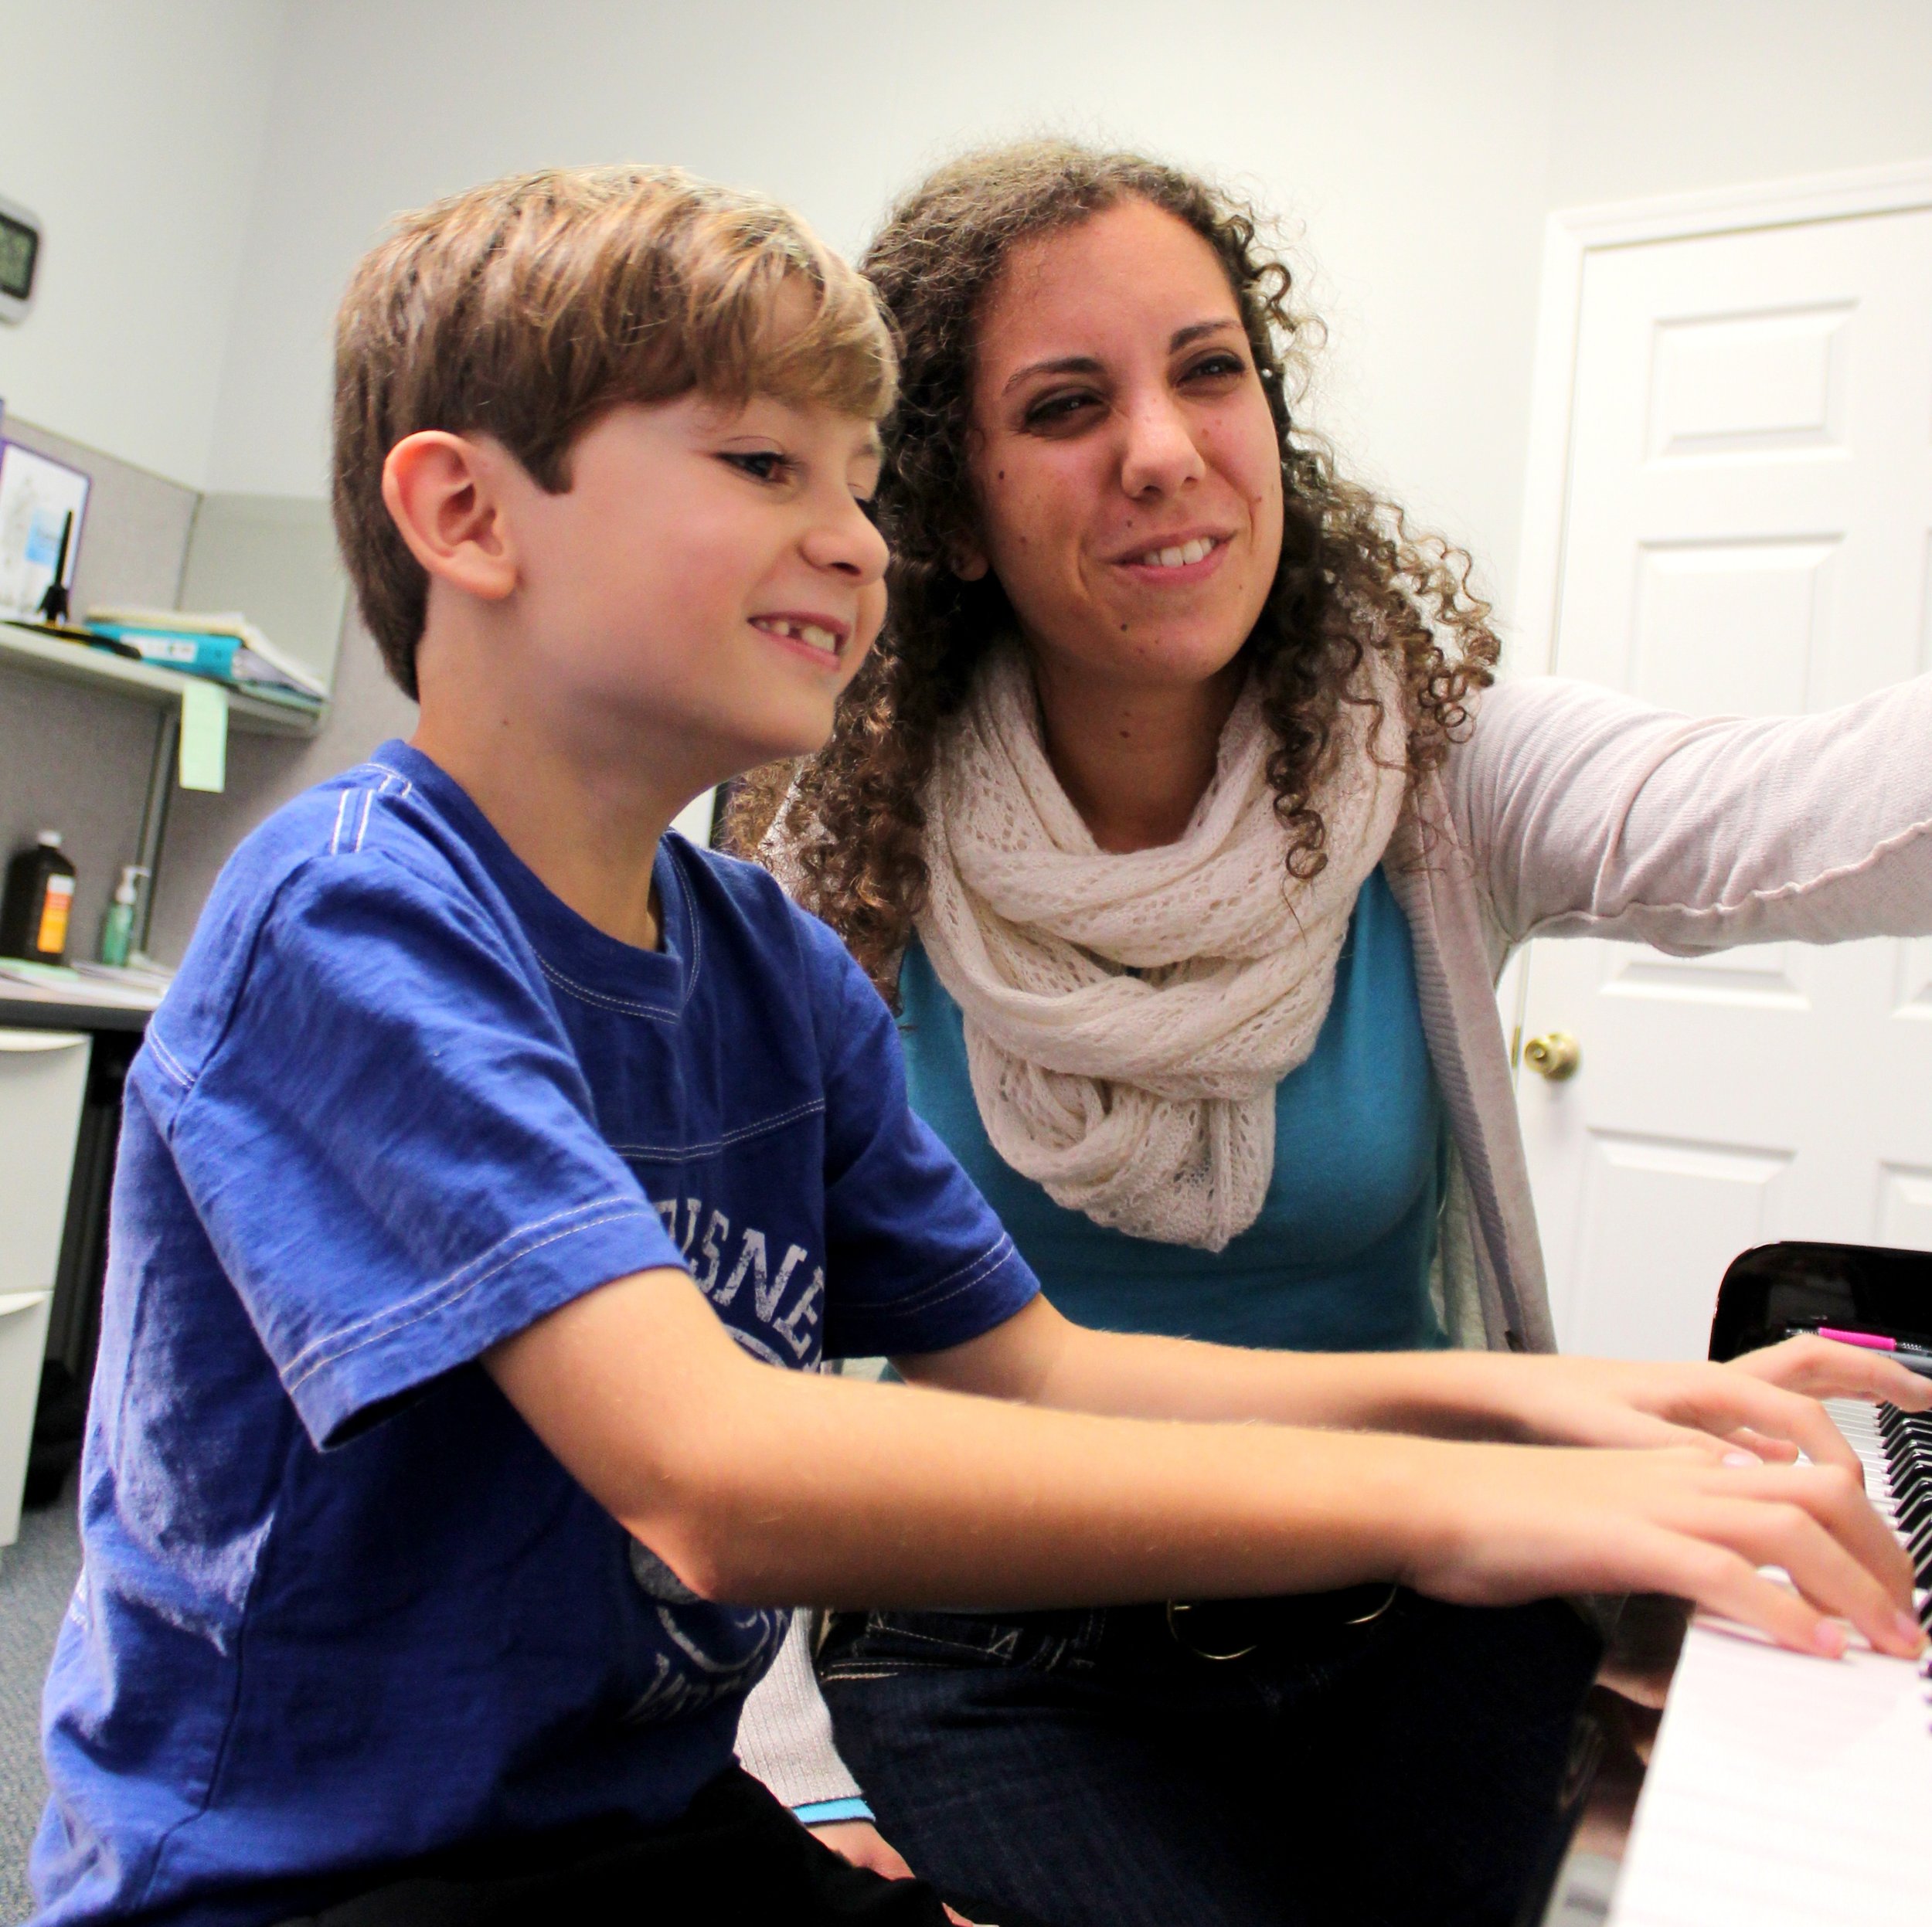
<point x="1728" y="1584"/>
<point x="1825" y="1572"/>
<point x="1762" y="1447"/>
<point x="1837" y="1500"/>
<point x="1643" y="1432"/>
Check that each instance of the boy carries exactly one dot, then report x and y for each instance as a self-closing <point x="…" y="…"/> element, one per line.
<point x="483" y="1120"/>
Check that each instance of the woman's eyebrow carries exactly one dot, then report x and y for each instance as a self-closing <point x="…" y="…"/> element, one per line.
<point x="1065" y="364"/>
<point x="1086" y="364"/>
<point x="1194" y="332"/>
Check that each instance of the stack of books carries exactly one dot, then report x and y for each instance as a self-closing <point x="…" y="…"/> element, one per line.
<point x="225" y="648"/>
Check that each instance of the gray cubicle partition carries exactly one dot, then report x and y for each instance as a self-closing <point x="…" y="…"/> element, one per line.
<point x="76" y="759"/>
<point x="73" y="759"/>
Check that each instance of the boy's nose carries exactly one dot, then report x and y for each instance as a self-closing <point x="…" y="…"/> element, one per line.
<point x="847" y="541"/>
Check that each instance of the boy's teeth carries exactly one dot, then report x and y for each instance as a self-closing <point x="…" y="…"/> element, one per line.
<point x="808" y="633"/>
<point x="1179" y="558"/>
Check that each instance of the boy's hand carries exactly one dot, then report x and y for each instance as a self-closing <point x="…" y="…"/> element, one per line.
<point x="766" y="1487"/>
<point x="1697" y="1522"/>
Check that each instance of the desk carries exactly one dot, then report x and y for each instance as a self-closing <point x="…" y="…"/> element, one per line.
<point x="24" y="1008"/>
<point x="64" y="1054"/>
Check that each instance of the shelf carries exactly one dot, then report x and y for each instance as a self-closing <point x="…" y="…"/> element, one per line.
<point x="36" y="654"/>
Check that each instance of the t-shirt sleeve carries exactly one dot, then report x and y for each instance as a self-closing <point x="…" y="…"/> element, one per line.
<point x="917" y="1259"/>
<point x="391" y="1146"/>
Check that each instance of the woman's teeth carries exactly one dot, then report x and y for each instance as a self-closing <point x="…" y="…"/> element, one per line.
<point x="1198" y="550"/>
<point x="808" y="633"/>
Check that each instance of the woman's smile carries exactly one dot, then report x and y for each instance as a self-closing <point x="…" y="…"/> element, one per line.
<point x="1176" y="561"/>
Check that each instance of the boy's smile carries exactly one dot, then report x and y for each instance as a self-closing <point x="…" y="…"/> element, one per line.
<point x="821" y="636"/>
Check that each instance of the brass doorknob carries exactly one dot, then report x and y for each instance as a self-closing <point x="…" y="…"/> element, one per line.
<point x="1555" y="1055"/>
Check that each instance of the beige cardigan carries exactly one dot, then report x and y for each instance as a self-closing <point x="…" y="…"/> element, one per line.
<point x="1573" y="811"/>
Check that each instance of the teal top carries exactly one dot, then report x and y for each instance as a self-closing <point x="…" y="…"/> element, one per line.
<point x="1339" y="1258"/>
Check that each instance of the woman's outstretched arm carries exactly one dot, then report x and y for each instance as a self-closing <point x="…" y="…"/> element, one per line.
<point x="1590" y="813"/>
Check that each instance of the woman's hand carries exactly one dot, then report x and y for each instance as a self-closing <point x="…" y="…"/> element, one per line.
<point x="860" y="1842"/>
<point x="1766" y="1402"/>
<point x="1824" y="1369"/>
<point x="1697" y="1521"/>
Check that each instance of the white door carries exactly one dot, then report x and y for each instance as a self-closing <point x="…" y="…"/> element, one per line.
<point x="1748" y="530"/>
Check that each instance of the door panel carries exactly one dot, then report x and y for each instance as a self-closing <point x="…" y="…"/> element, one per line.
<point x="1748" y="531"/>
<point x="1725" y="1198"/>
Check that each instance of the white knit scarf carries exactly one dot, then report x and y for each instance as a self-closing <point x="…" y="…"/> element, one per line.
<point x="1128" y="1016"/>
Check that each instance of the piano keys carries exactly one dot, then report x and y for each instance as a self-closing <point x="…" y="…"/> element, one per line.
<point x="1786" y="1789"/>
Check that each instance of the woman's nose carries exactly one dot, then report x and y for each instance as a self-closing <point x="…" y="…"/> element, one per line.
<point x="1160" y="456"/>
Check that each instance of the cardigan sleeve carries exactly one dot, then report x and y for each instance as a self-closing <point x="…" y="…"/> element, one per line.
<point x="1588" y="814"/>
<point x="784" y="1737"/>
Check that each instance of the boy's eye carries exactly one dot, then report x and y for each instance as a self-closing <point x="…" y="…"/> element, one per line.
<point x="869" y="508"/>
<point x="761" y="464"/>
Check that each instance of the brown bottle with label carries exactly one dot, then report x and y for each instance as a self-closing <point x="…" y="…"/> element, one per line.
<point x="39" y="904"/>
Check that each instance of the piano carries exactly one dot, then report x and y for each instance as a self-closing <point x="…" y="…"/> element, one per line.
<point x="1785" y="1791"/>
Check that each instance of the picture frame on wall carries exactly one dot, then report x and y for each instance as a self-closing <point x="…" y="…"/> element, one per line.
<point x="42" y="504"/>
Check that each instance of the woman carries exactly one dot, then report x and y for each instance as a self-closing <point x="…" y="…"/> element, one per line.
<point x="1169" y="816"/>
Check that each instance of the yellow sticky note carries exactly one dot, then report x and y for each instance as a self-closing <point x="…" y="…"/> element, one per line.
<point x="204" y="737"/>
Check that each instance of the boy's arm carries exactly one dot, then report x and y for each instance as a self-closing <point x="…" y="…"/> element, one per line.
<point x="760" y="1485"/>
<point x="1768" y="1401"/>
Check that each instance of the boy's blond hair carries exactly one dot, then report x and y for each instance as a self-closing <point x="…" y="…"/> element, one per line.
<point x="525" y="309"/>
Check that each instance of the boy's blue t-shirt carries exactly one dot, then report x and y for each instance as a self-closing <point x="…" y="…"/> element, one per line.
<point x="340" y="1608"/>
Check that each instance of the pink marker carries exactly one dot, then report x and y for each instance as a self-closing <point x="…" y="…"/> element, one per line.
<point x="1870" y="1339"/>
<point x="1913" y="1357"/>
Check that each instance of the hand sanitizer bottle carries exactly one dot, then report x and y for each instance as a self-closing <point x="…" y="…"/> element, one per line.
<point x="118" y="926"/>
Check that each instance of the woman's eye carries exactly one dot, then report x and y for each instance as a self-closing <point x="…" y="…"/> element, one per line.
<point x="761" y="464"/>
<point x="1218" y="366"/>
<point x="1057" y="411"/>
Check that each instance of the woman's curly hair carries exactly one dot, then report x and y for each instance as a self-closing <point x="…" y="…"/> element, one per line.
<point x="1351" y="576"/>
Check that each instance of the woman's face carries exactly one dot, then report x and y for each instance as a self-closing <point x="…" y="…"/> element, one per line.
<point x="1126" y="466"/>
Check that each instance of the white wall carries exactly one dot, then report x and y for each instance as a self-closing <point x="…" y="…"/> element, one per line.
<point x="210" y="169"/>
<point x="1335" y="115"/>
<point x="1655" y="96"/>
<point x="1417" y="145"/>
<point x="133" y="129"/>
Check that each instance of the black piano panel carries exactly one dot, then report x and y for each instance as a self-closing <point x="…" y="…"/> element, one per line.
<point x="1773" y="1290"/>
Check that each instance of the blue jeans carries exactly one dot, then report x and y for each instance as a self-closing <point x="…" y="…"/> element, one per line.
<point x="1096" y="1770"/>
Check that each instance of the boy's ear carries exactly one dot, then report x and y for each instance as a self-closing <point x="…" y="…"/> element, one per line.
<point x="444" y="493"/>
